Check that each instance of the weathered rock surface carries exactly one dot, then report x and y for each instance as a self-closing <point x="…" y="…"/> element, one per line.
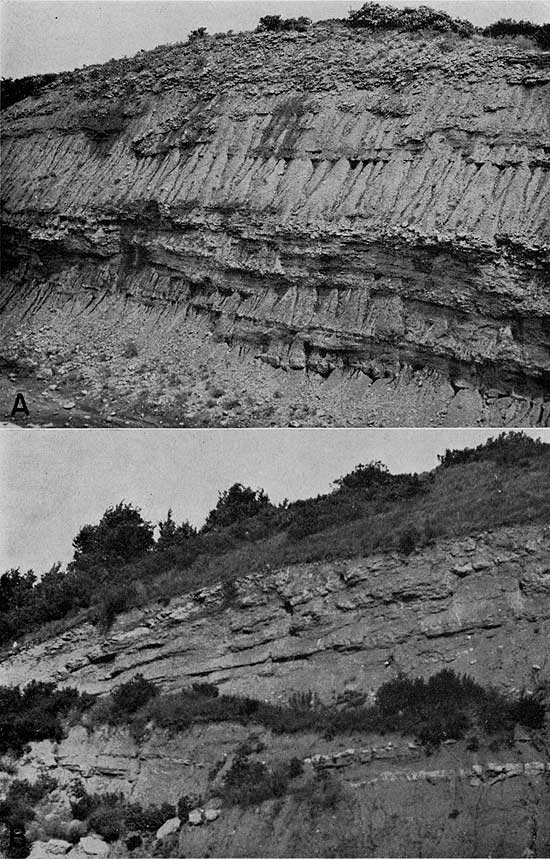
<point x="366" y="215"/>
<point x="480" y="605"/>
<point x="329" y="626"/>
<point x="391" y="798"/>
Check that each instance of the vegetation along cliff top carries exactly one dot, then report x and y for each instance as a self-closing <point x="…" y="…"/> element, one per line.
<point x="118" y="563"/>
<point x="374" y="45"/>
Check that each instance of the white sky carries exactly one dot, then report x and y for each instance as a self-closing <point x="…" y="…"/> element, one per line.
<point x="55" y="481"/>
<point x="55" y="35"/>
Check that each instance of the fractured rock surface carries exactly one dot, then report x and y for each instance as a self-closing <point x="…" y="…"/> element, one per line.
<point x="479" y="605"/>
<point x="360" y="223"/>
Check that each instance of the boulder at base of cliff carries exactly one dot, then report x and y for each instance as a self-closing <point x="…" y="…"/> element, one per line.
<point x="195" y="817"/>
<point x="47" y="849"/>
<point x="169" y="828"/>
<point x="91" y="845"/>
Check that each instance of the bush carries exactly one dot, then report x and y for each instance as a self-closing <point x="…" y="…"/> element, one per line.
<point x="409" y="538"/>
<point x="36" y="713"/>
<point x="236" y="504"/>
<point x="110" y="815"/>
<point x="198" y="34"/>
<point x="129" y="697"/>
<point x="14" y="90"/>
<point x="322" y="793"/>
<point x="107" y="821"/>
<point x="443" y="707"/>
<point x="253" y="782"/>
<point x="540" y="33"/>
<point x="76" y="830"/>
<point x="446" y="705"/>
<point x="508" y="449"/>
<point x="149" y="819"/>
<point x="17" y="809"/>
<point x="377" y="17"/>
<point x="274" y="24"/>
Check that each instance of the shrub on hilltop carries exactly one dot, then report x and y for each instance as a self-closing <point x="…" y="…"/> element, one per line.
<point x="540" y="33"/>
<point x="120" y="536"/>
<point x="236" y="504"/>
<point x="508" y="449"/>
<point x="14" y="90"/>
<point x="378" y="17"/>
<point x="198" y="35"/>
<point x="274" y="24"/>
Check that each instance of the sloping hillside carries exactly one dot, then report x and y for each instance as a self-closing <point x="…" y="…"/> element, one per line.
<point x="376" y="683"/>
<point x="332" y="226"/>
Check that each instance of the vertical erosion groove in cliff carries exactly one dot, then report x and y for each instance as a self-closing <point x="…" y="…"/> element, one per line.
<point x="333" y="202"/>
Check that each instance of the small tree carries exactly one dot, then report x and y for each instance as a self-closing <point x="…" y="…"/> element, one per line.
<point x="235" y="504"/>
<point x="121" y="535"/>
<point x="172" y="534"/>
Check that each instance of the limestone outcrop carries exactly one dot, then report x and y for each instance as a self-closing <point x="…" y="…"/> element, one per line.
<point x="479" y="605"/>
<point x="359" y="222"/>
<point x="390" y="797"/>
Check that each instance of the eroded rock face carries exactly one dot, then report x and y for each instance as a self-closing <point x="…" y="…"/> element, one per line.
<point x="367" y="212"/>
<point x="387" y="794"/>
<point x="477" y="605"/>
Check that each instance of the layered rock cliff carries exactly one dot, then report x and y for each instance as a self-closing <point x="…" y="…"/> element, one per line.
<point x="479" y="605"/>
<point x="367" y="215"/>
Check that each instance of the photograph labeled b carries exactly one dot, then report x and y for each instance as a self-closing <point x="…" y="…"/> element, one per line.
<point x="275" y="643"/>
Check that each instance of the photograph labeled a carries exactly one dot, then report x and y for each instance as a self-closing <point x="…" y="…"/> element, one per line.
<point x="277" y="643"/>
<point x="289" y="214"/>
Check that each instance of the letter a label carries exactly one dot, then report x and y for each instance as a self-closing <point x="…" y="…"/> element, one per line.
<point x="19" y="406"/>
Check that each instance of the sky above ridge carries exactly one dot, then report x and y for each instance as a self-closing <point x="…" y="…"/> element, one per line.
<point x="38" y="36"/>
<point x="54" y="481"/>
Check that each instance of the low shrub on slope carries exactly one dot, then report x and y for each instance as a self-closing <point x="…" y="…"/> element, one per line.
<point x="36" y="712"/>
<point x="445" y="706"/>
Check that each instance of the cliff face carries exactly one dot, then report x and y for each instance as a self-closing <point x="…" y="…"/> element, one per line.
<point x="479" y="605"/>
<point x="367" y="215"/>
<point x="390" y="800"/>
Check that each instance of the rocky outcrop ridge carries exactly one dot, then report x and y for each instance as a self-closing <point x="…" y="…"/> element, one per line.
<point x="367" y="215"/>
<point x="479" y="605"/>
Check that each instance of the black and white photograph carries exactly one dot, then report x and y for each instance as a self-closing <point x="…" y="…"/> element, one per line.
<point x="277" y="643"/>
<point x="275" y="213"/>
<point x="274" y="429"/>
